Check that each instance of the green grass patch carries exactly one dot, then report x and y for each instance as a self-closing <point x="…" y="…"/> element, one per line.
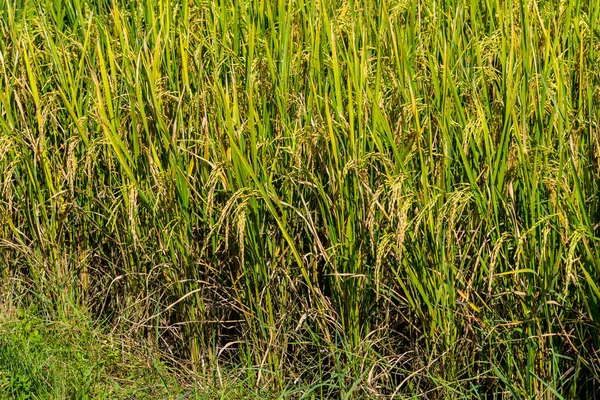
<point x="69" y="359"/>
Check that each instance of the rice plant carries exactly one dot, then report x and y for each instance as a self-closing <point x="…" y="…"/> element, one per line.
<point x="337" y="199"/>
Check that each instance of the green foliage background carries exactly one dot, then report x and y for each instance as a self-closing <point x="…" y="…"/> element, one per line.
<point x="342" y="198"/>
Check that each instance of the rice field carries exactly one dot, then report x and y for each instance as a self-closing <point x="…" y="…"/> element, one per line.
<point x="326" y="199"/>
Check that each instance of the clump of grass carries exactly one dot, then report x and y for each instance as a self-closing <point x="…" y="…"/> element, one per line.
<point x="58" y="359"/>
<point x="340" y="199"/>
<point x="49" y="357"/>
